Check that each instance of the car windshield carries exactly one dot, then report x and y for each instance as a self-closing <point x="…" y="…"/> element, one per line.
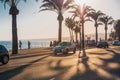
<point x="116" y="42"/>
<point x="64" y="44"/>
<point x="101" y="42"/>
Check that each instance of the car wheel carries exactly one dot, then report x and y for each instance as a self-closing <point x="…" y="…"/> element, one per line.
<point x="66" y="51"/>
<point x="74" y="50"/>
<point x="5" y="59"/>
<point x="55" y="53"/>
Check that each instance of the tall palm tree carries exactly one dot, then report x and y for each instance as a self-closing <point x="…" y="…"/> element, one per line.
<point x="82" y="12"/>
<point x="76" y="29"/>
<point x="58" y="6"/>
<point x="106" y="20"/>
<point x="14" y="12"/>
<point x="70" y="24"/>
<point x="95" y="15"/>
<point x="117" y="28"/>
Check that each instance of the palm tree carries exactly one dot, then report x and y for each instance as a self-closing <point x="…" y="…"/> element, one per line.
<point x="76" y="29"/>
<point x="14" y="12"/>
<point x="82" y="12"/>
<point x="106" y="20"/>
<point x="70" y="24"/>
<point x="95" y="15"/>
<point x="117" y="28"/>
<point x="58" y="6"/>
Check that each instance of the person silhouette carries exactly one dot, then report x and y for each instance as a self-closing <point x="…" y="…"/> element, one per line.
<point x="29" y="45"/>
<point x="51" y="44"/>
<point x="20" y="44"/>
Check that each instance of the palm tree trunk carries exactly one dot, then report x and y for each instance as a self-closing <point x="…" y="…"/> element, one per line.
<point x="60" y="31"/>
<point x="80" y="40"/>
<point x="60" y="19"/>
<point x="76" y="36"/>
<point x="105" y="32"/>
<point x="80" y="46"/>
<point x="14" y="35"/>
<point x="83" y="41"/>
<point x="96" y="34"/>
<point x="70" y="34"/>
<point x="106" y="35"/>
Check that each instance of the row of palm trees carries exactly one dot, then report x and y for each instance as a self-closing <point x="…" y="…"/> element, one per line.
<point x="84" y="13"/>
<point x="98" y="17"/>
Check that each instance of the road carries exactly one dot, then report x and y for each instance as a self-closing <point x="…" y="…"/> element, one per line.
<point x="102" y="64"/>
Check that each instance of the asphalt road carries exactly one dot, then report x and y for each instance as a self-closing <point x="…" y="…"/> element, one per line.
<point x="102" y="64"/>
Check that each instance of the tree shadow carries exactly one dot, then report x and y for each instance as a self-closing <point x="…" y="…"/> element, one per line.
<point x="99" y="53"/>
<point x="63" y="55"/>
<point x="111" y="65"/>
<point x="115" y="60"/>
<point x="26" y="56"/>
<point x="84" y="69"/>
<point x="6" y="75"/>
<point x="88" y="74"/>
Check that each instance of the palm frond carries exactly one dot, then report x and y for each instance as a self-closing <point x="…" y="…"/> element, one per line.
<point x="99" y="23"/>
<point x="47" y="9"/>
<point x="67" y="3"/>
<point x="88" y="20"/>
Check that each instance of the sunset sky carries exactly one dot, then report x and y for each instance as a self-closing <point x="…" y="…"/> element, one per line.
<point x="34" y="25"/>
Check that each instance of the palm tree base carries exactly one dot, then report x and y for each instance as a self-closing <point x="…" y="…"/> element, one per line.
<point x="84" y="56"/>
<point x="82" y="59"/>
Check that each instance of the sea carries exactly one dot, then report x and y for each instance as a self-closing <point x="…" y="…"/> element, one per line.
<point x="36" y="43"/>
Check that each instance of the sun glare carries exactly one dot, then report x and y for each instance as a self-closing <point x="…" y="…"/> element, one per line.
<point x="81" y="2"/>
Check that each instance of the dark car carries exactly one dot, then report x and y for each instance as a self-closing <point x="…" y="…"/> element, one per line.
<point x="102" y="44"/>
<point x="116" y="43"/>
<point x="91" y="43"/>
<point x="4" y="55"/>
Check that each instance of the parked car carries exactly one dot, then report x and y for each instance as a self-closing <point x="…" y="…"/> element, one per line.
<point x="91" y="43"/>
<point x="102" y="44"/>
<point x="116" y="43"/>
<point x="65" y="47"/>
<point x="4" y="55"/>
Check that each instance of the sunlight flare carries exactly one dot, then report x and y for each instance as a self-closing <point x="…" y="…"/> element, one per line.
<point x="81" y="2"/>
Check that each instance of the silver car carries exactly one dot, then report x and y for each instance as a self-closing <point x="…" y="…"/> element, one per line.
<point x="65" y="47"/>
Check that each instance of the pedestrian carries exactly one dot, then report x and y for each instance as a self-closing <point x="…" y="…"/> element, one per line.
<point x="51" y="44"/>
<point x="29" y="45"/>
<point x="20" y="44"/>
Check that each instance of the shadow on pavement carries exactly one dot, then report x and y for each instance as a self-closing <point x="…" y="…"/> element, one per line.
<point x="93" y="68"/>
<point x="7" y="75"/>
<point x="87" y="69"/>
<point x="27" y="55"/>
<point x="63" y="55"/>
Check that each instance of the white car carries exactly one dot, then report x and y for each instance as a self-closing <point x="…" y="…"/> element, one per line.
<point x="65" y="47"/>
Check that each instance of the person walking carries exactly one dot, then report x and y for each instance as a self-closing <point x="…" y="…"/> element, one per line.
<point x="51" y="44"/>
<point x="29" y="45"/>
<point x="20" y="44"/>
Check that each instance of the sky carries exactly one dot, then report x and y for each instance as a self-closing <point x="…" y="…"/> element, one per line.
<point x="33" y="24"/>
